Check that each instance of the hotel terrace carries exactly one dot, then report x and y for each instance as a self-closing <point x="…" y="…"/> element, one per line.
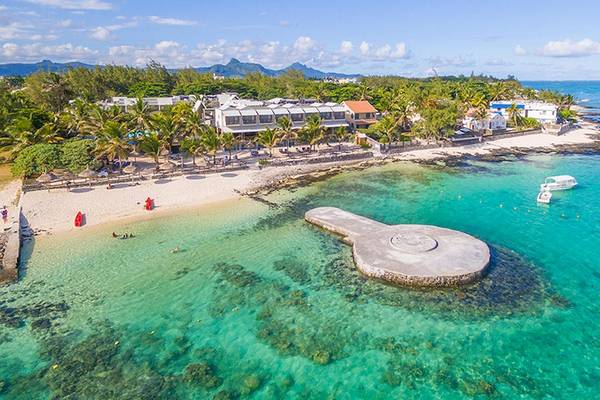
<point x="248" y="117"/>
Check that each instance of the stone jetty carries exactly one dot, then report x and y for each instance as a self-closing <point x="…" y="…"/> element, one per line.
<point x="418" y="255"/>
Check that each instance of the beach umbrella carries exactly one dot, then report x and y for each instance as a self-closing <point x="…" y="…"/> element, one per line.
<point x="46" y="177"/>
<point x="166" y="166"/>
<point x="130" y="169"/>
<point x="87" y="173"/>
<point x="135" y="155"/>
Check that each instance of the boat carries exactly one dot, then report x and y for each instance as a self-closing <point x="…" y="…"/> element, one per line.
<point x="559" y="182"/>
<point x="544" y="197"/>
<point x="79" y="219"/>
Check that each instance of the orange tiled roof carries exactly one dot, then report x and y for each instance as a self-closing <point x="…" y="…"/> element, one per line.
<point x="361" y="106"/>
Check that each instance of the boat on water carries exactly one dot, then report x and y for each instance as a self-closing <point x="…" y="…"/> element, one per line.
<point x="544" y="197"/>
<point x="559" y="182"/>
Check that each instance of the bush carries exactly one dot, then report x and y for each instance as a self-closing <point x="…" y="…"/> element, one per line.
<point x="37" y="159"/>
<point x="77" y="155"/>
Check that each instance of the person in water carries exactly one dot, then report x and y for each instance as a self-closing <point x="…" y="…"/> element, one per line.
<point x="175" y="250"/>
<point x="115" y="235"/>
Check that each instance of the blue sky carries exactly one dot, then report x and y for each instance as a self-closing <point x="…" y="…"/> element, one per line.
<point x="534" y="39"/>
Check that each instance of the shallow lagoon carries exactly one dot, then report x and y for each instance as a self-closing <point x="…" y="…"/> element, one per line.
<point x="260" y="304"/>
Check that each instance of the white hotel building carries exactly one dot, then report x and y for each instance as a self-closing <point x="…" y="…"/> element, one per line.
<point x="545" y="113"/>
<point x="248" y="117"/>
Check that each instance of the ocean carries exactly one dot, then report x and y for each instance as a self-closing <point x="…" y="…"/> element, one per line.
<point x="259" y="304"/>
<point x="586" y="93"/>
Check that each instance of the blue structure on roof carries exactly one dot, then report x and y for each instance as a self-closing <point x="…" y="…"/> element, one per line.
<point x="506" y="105"/>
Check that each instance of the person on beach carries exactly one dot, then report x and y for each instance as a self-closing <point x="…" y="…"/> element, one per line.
<point x="115" y="235"/>
<point x="4" y="214"/>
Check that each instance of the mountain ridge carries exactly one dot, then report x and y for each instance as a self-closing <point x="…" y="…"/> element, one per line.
<point x="234" y="68"/>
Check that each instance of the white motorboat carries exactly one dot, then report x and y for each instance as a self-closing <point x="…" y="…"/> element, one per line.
<point x="560" y="182"/>
<point x="544" y="197"/>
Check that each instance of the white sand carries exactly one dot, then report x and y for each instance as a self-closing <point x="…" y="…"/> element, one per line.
<point x="55" y="211"/>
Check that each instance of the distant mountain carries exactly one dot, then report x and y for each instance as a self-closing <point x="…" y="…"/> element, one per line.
<point x="234" y="68"/>
<point x="22" y="69"/>
<point x="237" y="68"/>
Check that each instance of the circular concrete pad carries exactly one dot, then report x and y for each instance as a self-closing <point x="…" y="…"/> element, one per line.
<point x="421" y="255"/>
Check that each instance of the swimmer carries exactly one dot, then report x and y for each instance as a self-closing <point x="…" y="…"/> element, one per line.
<point x="175" y="250"/>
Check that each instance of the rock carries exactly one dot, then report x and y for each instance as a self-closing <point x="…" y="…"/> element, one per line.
<point x="201" y="374"/>
<point x="321" y="357"/>
<point x="251" y="384"/>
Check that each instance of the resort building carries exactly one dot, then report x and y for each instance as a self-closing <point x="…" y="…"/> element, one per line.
<point x="360" y="114"/>
<point x="153" y="103"/>
<point x="248" y="117"/>
<point x="545" y="113"/>
<point x="494" y="122"/>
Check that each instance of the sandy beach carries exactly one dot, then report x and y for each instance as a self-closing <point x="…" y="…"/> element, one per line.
<point x="54" y="211"/>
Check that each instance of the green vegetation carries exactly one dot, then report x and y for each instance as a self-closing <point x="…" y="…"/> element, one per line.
<point x="58" y="111"/>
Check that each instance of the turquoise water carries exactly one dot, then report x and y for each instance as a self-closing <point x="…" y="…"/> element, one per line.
<point x="586" y="93"/>
<point x="259" y="304"/>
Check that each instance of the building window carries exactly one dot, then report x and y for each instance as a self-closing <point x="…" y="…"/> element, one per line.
<point x="249" y="119"/>
<point x="265" y="119"/>
<point x="325" y="115"/>
<point x="339" y="115"/>
<point x="297" y="117"/>
<point x="232" y="121"/>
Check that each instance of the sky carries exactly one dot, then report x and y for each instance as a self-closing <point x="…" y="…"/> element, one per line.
<point x="530" y="39"/>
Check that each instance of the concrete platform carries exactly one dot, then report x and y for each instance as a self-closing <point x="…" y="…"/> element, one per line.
<point x="419" y="255"/>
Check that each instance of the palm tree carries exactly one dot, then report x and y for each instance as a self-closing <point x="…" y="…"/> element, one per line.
<point x="313" y="132"/>
<point x="228" y="141"/>
<point x="286" y="130"/>
<point x="22" y="133"/>
<point x="211" y="142"/>
<point x="113" y="142"/>
<point x="514" y="115"/>
<point x="151" y="145"/>
<point x="139" y="116"/>
<point x="388" y="127"/>
<point x="193" y="146"/>
<point x="340" y="134"/>
<point x="168" y="126"/>
<point x="75" y="117"/>
<point x="268" y="138"/>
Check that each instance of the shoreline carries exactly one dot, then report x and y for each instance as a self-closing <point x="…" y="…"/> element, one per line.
<point x="53" y="212"/>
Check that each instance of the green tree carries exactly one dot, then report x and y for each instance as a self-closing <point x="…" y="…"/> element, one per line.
<point x="515" y="118"/>
<point x="77" y="155"/>
<point x="268" y="138"/>
<point x="388" y="129"/>
<point x="340" y="134"/>
<point x="192" y="145"/>
<point x="113" y="143"/>
<point x="228" y="142"/>
<point x="286" y="130"/>
<point x="22" y="133"/>
<point x="151" y="144"/>
<point x="313" y="132"/>
<point x="36" y="159"/>
<point x="211" y="142"/>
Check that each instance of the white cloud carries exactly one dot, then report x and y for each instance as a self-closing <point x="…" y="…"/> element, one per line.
<point x="364" y="48"/>
<point x="383" y="51"/>
<point x="346" y="47"/>
<point x="38" y="51"/>
<point x="171" y="21"/>
<point x="105" y="32"/>
<point x="400" y="51"/>
<point x="12" y="30"/>
<point x="100" y="33"/>
<point x="65" y="23"/>
<point x="74" y="4"/>
<point x="520" y="51"/>
<point x="570" y="48"/>
<point x="166" y="45"/>
<point x="304" y="44"/>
